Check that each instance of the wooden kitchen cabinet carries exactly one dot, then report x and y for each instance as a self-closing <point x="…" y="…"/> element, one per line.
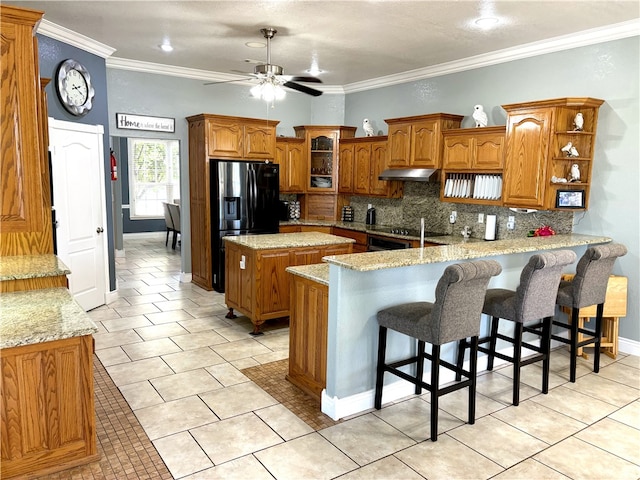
<point x="360" y="238"/>
<point x="237" y="137"/>
<point x="25" y="210"/>
<point x="417" y="141"/>
<point x="475" y="156"/>
<point x="323" y="144"/>
<point x="365" y="158"/>
<point x="291" y="156"/>
<point x="256" y="282"/>
<point x="536" y="133"/>
<point x="218" y="137"/>
<point x="48" y="415"/>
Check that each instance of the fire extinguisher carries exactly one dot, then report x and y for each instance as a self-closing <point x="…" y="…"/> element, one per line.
<point x="114" y="167"/>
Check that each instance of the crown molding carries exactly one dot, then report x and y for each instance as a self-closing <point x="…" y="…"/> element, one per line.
<point x="556" y="44"/>
<point x="57" y="32"/>
<point x="565" y="42"/>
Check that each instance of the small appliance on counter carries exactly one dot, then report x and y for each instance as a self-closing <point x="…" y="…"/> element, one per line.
<point x="347" y="213"/>
<point x="294" y="210"/>
<point x="371" y="215"/>
<point x="490" y="230"/>
<point x="284" y="211"/>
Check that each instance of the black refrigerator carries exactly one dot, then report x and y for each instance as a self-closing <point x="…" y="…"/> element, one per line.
<point x="244" y="200"/>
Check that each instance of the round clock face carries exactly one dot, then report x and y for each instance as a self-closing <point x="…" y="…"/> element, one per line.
<point x="74" y="87"/>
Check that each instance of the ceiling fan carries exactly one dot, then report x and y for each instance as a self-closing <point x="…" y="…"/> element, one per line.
<point x="272" y="77"/>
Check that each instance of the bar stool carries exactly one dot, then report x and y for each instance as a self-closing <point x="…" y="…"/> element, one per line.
<point x="588" y="287"/>
<point x="533" y="300"/>
<point x="454" y="315"/>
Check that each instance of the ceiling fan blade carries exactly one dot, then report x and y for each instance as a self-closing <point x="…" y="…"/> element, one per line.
<point x="305" y="79"/>
<point x="302" y="88"/>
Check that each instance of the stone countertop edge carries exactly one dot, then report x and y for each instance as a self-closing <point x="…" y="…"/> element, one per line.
<point x="287" y="240"/>
<point x="318" y="272"/>
<point x="36" y="316"/>
<point x="21" y="267"/>
<point x="371" y="261"/>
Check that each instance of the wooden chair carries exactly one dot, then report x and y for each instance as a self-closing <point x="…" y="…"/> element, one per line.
<point x="454" y="315"/>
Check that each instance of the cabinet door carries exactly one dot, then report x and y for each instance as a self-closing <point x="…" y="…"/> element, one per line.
<point x="457" y="152"/>
<point x="336" y="250"/>
<point x="378" y="163"/>
<point x="488" y="152"/>
<point x="282" y="152"/>
<point x="345" y="173"/>
<point x="259" y="141"/>
<point x="425" y="145"/>
<point x="25" y="210"/>
<point x="224" y="140"/>
<point x="272" y="283"/>
<point x="361" y="168"/>
<point x="527" y="153"/>
<point x="399" y="145"/>
<point x="296" y="166"/>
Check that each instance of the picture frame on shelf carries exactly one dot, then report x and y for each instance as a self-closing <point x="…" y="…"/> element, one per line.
<point x="570" y="199"/>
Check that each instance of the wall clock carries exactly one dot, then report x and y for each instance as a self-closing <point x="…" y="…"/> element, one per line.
<point x="73" y="85"/>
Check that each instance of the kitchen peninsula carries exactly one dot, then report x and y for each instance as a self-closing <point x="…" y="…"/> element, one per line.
<point x="255" y="277"/>
<point x="359" y="285"/>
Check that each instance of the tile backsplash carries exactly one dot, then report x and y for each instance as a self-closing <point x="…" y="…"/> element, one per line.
<point x="422" y="199"/>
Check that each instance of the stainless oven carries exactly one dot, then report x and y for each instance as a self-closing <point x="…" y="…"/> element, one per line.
<point x="376" y="243"/>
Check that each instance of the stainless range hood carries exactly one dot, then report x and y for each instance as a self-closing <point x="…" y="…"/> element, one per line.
<point x="413" y="174"/>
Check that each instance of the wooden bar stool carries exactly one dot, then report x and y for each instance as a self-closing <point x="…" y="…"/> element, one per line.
<point x="455" y="315"/>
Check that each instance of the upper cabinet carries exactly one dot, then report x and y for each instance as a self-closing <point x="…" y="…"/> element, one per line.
<point x="417" y="141"/>
<point x="322" y="155"/>
<point x="472" y="163"/>
<point x="237" y="137"/>
<point x="539" y="140"/>
<point x="25" y="210"/>
<point x="361" y="162"/>
<point x="291" y="156"/>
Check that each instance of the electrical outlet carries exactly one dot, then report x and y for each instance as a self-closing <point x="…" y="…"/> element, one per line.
<point x="481" y="218"/>
<point x="511" y="222"/>
<point x="453" y="217"/>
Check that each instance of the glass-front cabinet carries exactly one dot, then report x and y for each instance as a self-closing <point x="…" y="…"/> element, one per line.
<point x="322" y="143"/>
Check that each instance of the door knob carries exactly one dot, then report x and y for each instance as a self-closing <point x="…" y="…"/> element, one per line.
<point x="99" y="230"/>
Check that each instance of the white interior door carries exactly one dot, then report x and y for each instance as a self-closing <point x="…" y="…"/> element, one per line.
<point x="79" y="200"/>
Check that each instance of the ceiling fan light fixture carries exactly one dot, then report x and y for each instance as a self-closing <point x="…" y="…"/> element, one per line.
<point x="268" y="90"/>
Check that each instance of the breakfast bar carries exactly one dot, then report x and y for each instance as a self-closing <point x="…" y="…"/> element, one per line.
<point x="359" y="285"/>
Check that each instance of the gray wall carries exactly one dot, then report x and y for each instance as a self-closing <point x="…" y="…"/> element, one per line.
<point x="608" y="71"/>
<point x="51" y="53"/>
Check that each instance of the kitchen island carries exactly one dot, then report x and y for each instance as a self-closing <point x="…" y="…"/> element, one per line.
<point x="256" y="282"/>
<point x="360" y="285"/>
<point x="46" y="345"/>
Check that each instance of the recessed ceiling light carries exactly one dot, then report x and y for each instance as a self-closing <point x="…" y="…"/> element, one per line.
<point x="165" y="47"/>
<point x="487" y="22"/>
<point x="314" y="71"/>
<point x="255" y="44"/>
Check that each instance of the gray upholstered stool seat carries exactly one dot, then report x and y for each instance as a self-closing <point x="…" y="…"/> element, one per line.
<point x="533" y="300"/>
<point x="588" y="287"/>
<point x="454" y="315"/>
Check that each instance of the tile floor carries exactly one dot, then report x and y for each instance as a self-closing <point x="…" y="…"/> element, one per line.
<point x="178" y="363"/>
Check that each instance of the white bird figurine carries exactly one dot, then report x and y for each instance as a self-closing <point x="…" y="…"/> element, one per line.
<point x="578" y="122"/>
<point x="480" y="116"/>
<point x="567" y="149"/>
<point x="367" y="127"/>
<point x="574" y="152"/>
<point x="574" y="175"/>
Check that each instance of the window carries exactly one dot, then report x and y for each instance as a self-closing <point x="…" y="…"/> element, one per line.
<point x="154" y="176"/>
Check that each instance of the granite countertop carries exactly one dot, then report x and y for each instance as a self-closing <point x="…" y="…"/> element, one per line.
<point x="31" y="266"/>
<point x="287" y="240"/>
<point x="318" y="272"/>
<point x="371" y="261"/>
<point x="36" y="316"/>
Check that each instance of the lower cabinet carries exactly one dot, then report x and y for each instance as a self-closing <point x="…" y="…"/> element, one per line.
<point x="48" y="416"/>
<point x="309" y="311"/>
<point x="257" y="283"/>
<point x="360" y="238"/>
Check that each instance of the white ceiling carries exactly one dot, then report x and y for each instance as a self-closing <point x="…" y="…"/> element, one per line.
<point x="352" y="41"/>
